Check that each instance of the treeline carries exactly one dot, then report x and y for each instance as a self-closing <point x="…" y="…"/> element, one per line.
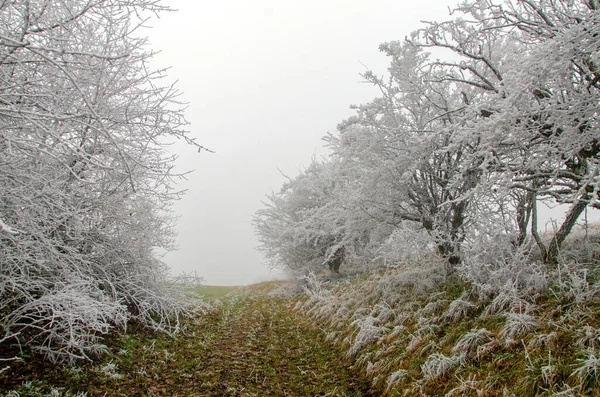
<point x="85" y="178"/>
<point x="480" y="119"/>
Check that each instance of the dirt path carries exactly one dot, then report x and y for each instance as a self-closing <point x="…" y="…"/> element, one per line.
<point x="271" y="351"/>
<point x="256" y="346"/>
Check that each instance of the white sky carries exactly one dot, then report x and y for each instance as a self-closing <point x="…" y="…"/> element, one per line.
<point x="265" y="80"/>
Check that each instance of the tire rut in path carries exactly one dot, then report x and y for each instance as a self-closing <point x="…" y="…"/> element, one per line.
<point x="270" y="350"/>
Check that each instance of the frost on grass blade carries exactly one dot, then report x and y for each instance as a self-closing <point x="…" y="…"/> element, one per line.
<point x="587" y="372"/>
<point x="469" y="343"/>
<point x="517" y="325"/>
<point x="438" y="366"/>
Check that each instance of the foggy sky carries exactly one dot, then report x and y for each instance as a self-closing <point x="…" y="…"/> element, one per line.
<point x="265" y="80"/>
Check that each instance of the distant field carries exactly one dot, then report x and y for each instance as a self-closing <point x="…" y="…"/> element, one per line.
<point x="266" y="286"/>
<point x="211" y="292"/>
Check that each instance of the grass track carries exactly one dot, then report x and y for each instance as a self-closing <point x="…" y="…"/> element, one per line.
<point x="271" y="351"/>
<point x="251" y="345"/>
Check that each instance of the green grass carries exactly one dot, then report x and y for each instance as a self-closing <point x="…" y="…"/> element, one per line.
<point x="250" y="344"/>
<point x="212" y="292"/>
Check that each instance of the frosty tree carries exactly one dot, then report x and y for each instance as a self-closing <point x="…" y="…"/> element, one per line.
<point x="536" y="61"/>
<point x="86" y="180"/>
<point x="399" y="147"/>
<point x="297" y="229"/>
<point x="466" y="145"/>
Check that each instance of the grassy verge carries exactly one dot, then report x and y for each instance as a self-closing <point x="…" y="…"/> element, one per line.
<point x="414" y="333"/>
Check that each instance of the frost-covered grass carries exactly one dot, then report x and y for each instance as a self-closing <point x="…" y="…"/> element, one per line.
<point x="504" y="329"/>
<point x="141" y="359"/>
<point x="250" y="344"/>
<point x="408" y="330"/>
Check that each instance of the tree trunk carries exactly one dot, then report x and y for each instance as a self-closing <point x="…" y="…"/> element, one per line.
<point x="336" y="260"/>
<point x="449" y="251"/>
<point x="534" y="231"/>
<point x="524" y="210"/>
<point x="570" y="221"/>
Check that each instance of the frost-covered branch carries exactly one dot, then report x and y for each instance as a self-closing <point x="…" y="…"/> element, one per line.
<point x="87" y="182"/>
